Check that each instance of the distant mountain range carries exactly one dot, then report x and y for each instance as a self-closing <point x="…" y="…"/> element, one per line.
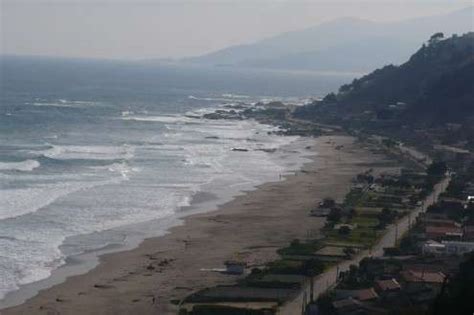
<point x="346" y="44"/>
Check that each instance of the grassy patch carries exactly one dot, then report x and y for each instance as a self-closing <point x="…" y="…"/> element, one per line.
<point x="298" y="248"/>
<point x="365" y="222"/>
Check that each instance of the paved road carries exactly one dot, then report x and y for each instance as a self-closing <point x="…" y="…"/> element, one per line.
<point x="326" y="280"/>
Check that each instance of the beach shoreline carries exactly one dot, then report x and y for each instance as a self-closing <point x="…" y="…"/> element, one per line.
<point x="251" y="226"/>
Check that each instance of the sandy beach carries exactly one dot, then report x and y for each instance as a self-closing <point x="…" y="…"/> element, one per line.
<point x="250" y="227"/>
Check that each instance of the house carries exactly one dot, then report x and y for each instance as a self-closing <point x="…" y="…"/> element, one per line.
<point x="235" y="267"/>
<point x="447" y="248"/>
<point x="417" y="280"/>
<point x="433" y="215"/>
<point x="236" y="293"/>
<point x="458" y="248"/>
<point x="360" y="295"/>
<point x="351" y="306"/>
<point x="387" y="286"/>
<point x="431" y="247"/>
<point x="411" y="276"/>
<point x="441" y="232"/>
<point x="439" y="222"/>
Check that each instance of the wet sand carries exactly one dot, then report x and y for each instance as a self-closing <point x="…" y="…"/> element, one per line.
<point x="251" y="227"/>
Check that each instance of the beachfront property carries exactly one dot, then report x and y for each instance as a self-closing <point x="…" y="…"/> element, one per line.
<point x="351" y="227"/>
<point x="447" y="248"/>
<point x="363" y="295"/>
<point x="384" y="287"/>
<point x="351" y="306"/>
<point x="470" y="200"/>
<point x="443" y="232"/>
<point x="416" y="279"/>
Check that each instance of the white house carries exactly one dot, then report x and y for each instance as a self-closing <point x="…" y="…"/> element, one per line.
<point x="458" y="248"/>
<point x="447" y="248"/>
<point x="433" y="248"/>
<point x="470" y="199"/>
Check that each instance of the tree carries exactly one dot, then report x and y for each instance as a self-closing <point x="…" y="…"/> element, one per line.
<point x="457" y="295"/>
<point x="328" y="202"/>
<point x="349" y="251"/>
<point x="436" y="38"/>
<point x="352" y="213"/>
<point x="335" y="215"/>
<point x="345" y="230"/>
<point x="330" y="98"/>
<point x="437" y="169"/>
<point x="386" y="216"/>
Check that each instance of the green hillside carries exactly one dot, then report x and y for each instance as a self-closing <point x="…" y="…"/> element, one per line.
<point x="435" y="85"/>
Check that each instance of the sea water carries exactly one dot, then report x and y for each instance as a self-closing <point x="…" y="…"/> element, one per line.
<point x="89" y="149"/>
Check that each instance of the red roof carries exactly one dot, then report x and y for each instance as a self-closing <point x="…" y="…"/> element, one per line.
<point x="442" y="230"/>
<point x="387" y="285"/>
<point x="423" y="276"/>
<point x="366" y="294"/>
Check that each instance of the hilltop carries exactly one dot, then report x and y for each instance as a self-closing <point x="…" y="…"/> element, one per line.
<point x="436" y="85"/>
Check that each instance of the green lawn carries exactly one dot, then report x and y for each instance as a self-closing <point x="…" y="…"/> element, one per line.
<point x="365" y="222"/>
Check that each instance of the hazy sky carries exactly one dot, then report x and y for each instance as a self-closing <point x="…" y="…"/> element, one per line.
<point x="166" y="28"/>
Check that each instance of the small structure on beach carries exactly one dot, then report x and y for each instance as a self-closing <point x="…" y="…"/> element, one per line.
<point x="320" y="212"/>
<point x="235" y="267"/>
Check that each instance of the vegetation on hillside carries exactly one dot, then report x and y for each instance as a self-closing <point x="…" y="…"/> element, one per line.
<point x="435" y="85"/>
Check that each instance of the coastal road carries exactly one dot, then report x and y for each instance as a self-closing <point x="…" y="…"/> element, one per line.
<point x="328" y="279"/>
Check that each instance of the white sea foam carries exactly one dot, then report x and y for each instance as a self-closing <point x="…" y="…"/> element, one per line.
<point x="124" y="169"/>
<point x="238" y="96"/>
<point x="69" y="152"/>
<point x="153" y="179"/>
<point x="20" y="201"/>
<point x="162" y="119"/>
<point x="64" y="103"/>
<point x="213" y="99"/>
<point x="24" y="166"/>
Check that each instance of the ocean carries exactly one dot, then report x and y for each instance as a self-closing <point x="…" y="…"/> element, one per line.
<point x="90" y="151"/>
